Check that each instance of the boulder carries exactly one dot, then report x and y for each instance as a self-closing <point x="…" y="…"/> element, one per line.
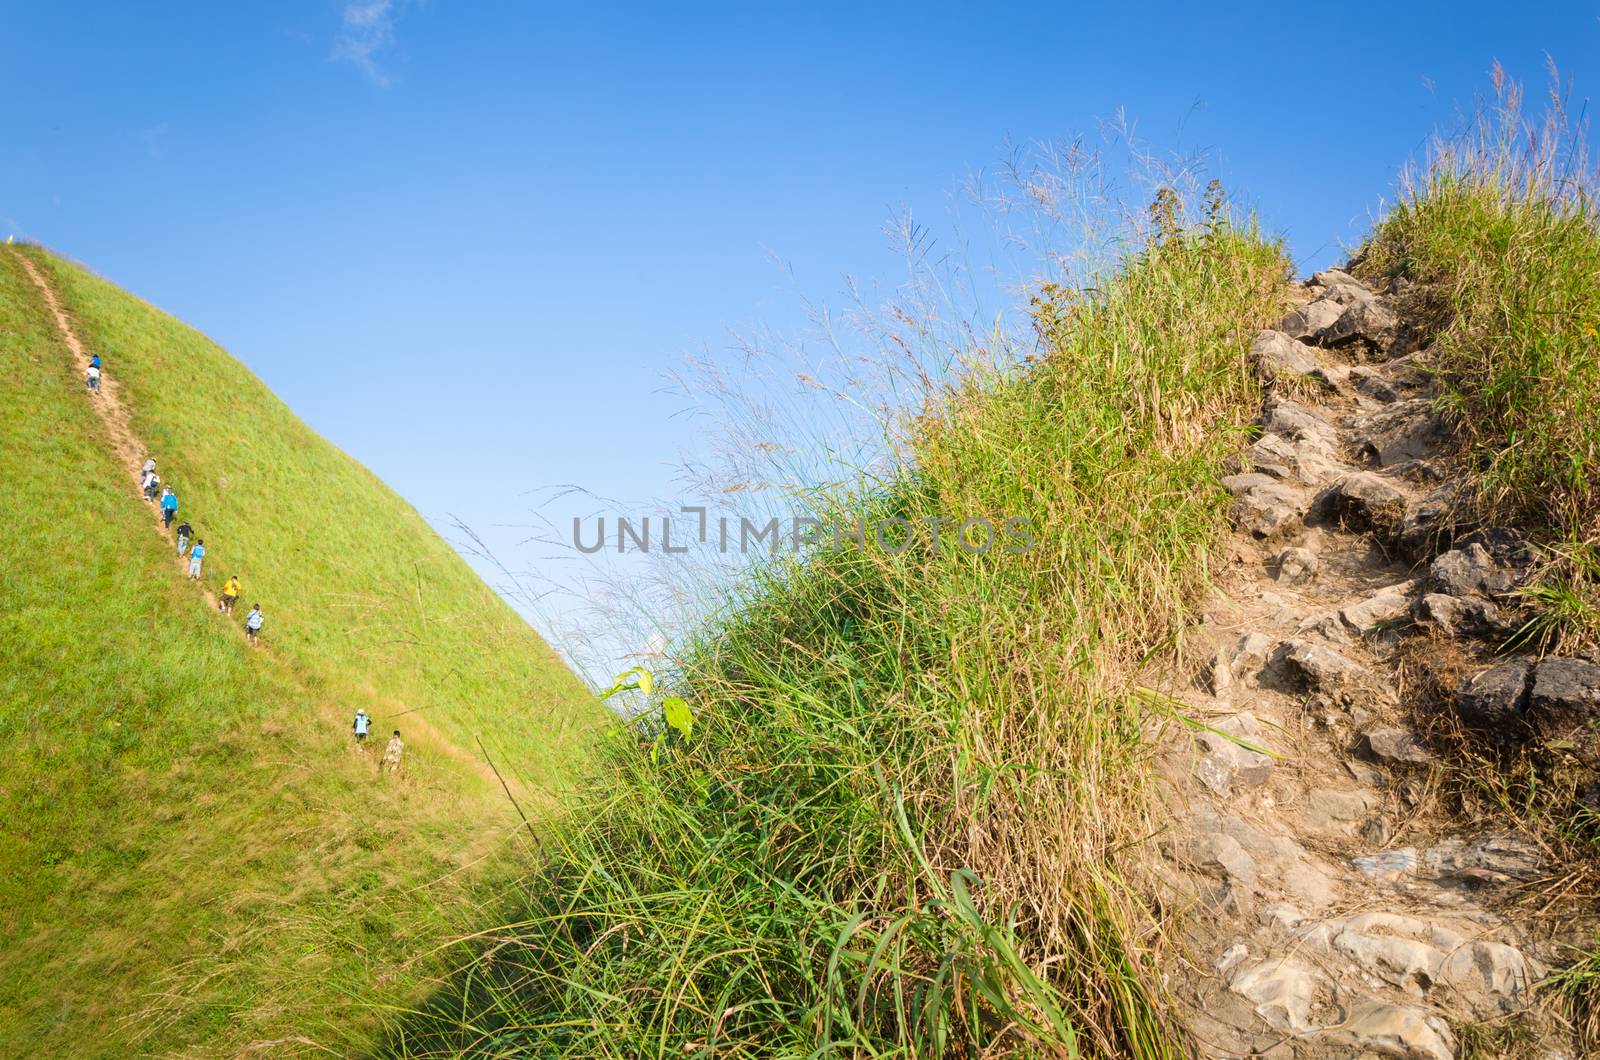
<point x="1457" y="616"/>
<point x="1384" y="606"/>
<point x="1399" y="746"/>
<point x="1298" y="423"/>
<point x="1309" y="320"/>
<point x="1365" y="320"/>
<point x="1335" y="278"/>
<point x="1316" y="668"/>
<point x="1484" y="859"/>
<point x="1402" y="432"/>
<point x="1492" y="701"/>
<point x="1308" y="460"/>
<point x="1379" y="1028"/>
<point x="1295" y="565"/>
<point x="1248" y="656"/>
<point x="1264" y="510"/>
<point x="1564" y="701"/>
<point x="1348" y="294"/>
<point x="1362" y="501"/>
<point x="1464" y="571"/>
<point x="1510" y="548"/>
<point x="1277" y="354"/>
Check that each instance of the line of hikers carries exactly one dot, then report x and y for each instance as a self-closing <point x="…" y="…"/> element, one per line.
<point x="150" y="483"/>
<point x="153" y="488"/>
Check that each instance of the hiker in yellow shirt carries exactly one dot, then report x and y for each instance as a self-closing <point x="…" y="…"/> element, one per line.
<point x="230" y="593"/>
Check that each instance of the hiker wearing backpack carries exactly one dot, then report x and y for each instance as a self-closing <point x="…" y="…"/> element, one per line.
<point x="360" y="727"/>
<point x="196" y="554"/>
<point x="152" y="486"/>
<point x="252" y="624"/>
<point x="169" y="507"/>
<point x="230" y="593"/>
<point x="185" y="532"/>
<point x="92" y="380"/>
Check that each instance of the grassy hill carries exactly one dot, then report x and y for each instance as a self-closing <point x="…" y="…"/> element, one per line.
<point x="192" y="858"/>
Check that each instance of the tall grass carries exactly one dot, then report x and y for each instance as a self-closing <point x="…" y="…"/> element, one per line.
<point x="1500" y="232"/>
<point x="907" y="820"/>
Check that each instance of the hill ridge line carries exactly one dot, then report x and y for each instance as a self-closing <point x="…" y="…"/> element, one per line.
<point x="110" y="408"/>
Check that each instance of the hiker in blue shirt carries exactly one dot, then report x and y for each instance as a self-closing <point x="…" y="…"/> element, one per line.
<point x="196" y="554"/>
<point x="362" y="724"/>
<point x="252" y="624"/>
<point x="169" y="507"/>
<point x="94" y="362"/>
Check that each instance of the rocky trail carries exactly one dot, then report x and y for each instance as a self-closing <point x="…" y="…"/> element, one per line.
<point x="1328" y="908"/>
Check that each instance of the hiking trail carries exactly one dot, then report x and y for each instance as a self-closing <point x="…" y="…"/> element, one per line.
<point x="1328" y="909"/>
<point x="108" y="405"/>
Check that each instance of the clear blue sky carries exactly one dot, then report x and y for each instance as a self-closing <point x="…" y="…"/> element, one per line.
<point x="464" y="241"/>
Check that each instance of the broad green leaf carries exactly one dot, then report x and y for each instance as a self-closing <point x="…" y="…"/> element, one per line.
<point x="678" y="715"/>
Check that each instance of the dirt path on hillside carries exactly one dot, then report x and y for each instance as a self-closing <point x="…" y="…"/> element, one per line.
<point x="131" y="453"/>
<point x="108" y="405"/>
<point x="1328" y="909"/>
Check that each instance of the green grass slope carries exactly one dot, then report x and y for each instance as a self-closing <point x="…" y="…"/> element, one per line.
<point x="191" y="857"/>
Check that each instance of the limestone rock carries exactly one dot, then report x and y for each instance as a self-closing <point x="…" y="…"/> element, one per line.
<point x="1390" y="744"/>
<point x="1217" y="854"/>
<point x="1365" y="320"/>
<point x="1333" y="812"/>
<point x="1379" y="1028"/>
<point x="1401" y="432"/>
<point x="1226" y="762"/>
<point x="1362" y="501"/>
<point x="1384" y="606"/>
<point x="1564" y="700"/>
<point x="1311" y="319"/>
<point x="1492" y="701"/>
<point x="1249" y="655"/>
<point x="1464" y="571"/>
<point x="1316" y="668"/>
<point x="1275" y="353"/>
<point x="1281" y="990"/>
<point x="1420" y="956"/>
<point x="1484" y="859"/>
<point x="1335" y="278"/>
<point x="1298" y="423"/>
<point x="1309" y="460"/>
<point x="1295" y="565"/>
<point x="1266" y="510"/>
<point x="1456" y="616"/>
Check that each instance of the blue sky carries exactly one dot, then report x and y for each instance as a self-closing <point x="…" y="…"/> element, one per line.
<point x="464" y="241"/>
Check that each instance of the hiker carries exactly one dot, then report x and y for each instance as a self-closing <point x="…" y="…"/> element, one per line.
<point x="391" y="754"/>
<point x="197" y="554"/>
<point x="169" y="507"/>
<point x="94" y="362"/>
<point x="252" y="624"/>
<point x="185" y="532"/>
<point x="149" y="467"/>
<point x="230" y="593"/>
<point x="92" y="380"/>
<point x="362" y="724"/>
<point x="152" y="486"/>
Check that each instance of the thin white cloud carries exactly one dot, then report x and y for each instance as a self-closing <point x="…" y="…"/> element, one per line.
<point x="366" y="29"/>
